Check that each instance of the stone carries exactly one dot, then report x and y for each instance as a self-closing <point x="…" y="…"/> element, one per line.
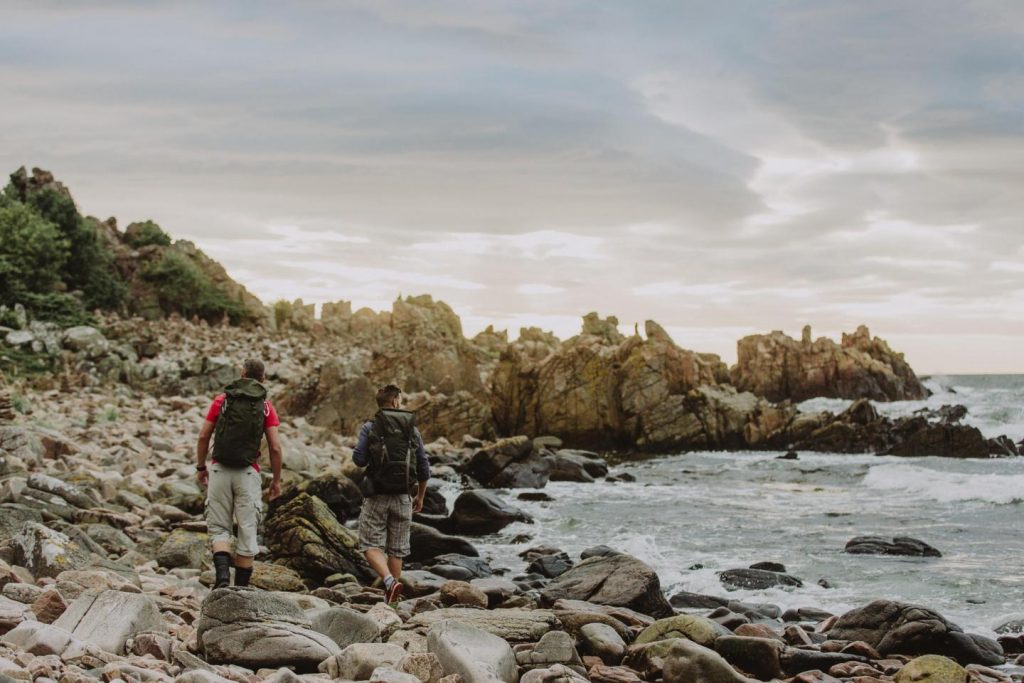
<point x="12" y="613"/>
<point x="602" y="640"/>
<point x="85" y="339"/>
<point x="577" y="466"/>
<point x="901" y="628"/>
<point x="387" y="674"/>
<point x="550" y="566"/>
<point x="488" y="462"/>
<point x="512" y="625"/>
<point x="49" y="606"/>
<point x="554" y="647"/>
<point x="304" y="534"/>
<point x="689" y="662"/>
<point x="556" y="673"/>
<point x="42" y="639"/>
<point x="184" y="548"/>
<point x="276" y="577"/>
<point x="699" y="629"/>
<point x="419" y="582"/>
<point x="476" y="655"/>
<point x="613" y="674"/>
<point x="45" y="552"/>
<point x="236" y="623"/>
<point x="427" y="543"/>
<point x="756" y="579"/>
<point x="107" y="619"/>
<point x="900" y="545"/>
<point x="26" y="593"/>
<point x="425" y="666"/>
<point x="358" y="661"/>
<point x="462" y="593"/>
<point x="387" y="620"/>
<point x="615" y="580"/>
<point x="931" y="669"/>
<point x="483" y="512"/>
<point x="760" y="657"/>
<point x="346" y="626"/>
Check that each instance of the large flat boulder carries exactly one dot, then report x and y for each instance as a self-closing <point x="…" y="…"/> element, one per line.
<point x="475" y="655"/>
<point x="47" y="553"/>
<point x="107" y="619"/>
<point x="257" y="629"/>
<point x="512" y="625"/>
<point x="617" y="580"/>
<point x="346" y="626"/>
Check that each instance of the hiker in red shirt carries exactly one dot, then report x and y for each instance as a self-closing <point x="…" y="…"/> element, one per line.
<point x="238" y="420"/>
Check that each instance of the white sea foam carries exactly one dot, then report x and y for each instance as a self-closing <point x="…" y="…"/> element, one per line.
<point x="946" y="487"/>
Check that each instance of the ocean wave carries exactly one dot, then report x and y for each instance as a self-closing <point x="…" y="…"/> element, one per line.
<point x="947" y="487"/>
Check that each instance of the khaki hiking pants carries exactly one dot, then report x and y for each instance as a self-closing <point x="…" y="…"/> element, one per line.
<point x="234" y="495"/>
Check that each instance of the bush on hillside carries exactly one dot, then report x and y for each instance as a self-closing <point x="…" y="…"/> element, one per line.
<point x="146" y="233"/>
<point x="33" y="252"/>
<point x="182" y="287"/>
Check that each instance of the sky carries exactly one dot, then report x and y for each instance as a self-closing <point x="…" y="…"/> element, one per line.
<point x="723" y="168"/>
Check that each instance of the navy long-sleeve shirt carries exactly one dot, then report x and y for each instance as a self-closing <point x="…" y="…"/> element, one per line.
<point x="422" y="463"/>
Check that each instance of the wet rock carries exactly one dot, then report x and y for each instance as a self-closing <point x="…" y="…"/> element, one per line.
<point x="617" y="580"/>
<point x="795" y="660"/>
<point x="901" y="628"/>
<point x="805" y="614"/>
<point x="497" y="590"/>
<point x="487" y="463"/>
<point x="109" y="618"/>
<point x="932" y="669"/>
<point x="236" y="624"/>
<point x="346" y="626"/>
<point x="577" y="466"/>
<point x="476" y="655"/>
<point x="696" y="628"/>
<point x="483" y="512"/>
<point x="305" y="535"/>
<point x="428" y="543"/>
<point x="551" y="565"/>
<point x="756" y="579"/>
<point x="900" y="545"/>
<point x="757" y="656"/>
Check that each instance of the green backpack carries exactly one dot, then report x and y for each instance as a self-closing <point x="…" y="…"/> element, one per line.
<point x="239" y="431"/>
<point x="391" y="451"/>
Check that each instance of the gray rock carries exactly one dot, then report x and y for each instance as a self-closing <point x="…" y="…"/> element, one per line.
<point x="512" y="625"/>
<point x="236" y="624"/>
<point x="358" y="661"/>
<point x="758" y="656"/>
<point x="183" y="548"/>
<point x="84" y="338"/>
<point x="483" y="512"/>
<point x="618" y="580"/>
<point x="107" y="619"/>
<point x="42" y="639"/>
<point x="20" y="338"/>
<point x="72" y="494"/>
<point x="25" y="593"/>
<point x="425" y="666"/>
<point x="45" y="552"/>
<point x="477" y="656"/>
<point x="555" y="647"/>
<point x="601" y="640"/>
<point x="12" y="613"/>
<point x="557" y="673"/>
<point x="201" y="676"/>
<point x="387" y="674"/>
<point x="900" y="545"/>
<point x="687" y="662"/>
<point x="346" y="626"/>
<point x="756" y="579"/>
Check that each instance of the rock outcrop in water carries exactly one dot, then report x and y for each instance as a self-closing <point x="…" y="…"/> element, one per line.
<point x="780" y="368"/>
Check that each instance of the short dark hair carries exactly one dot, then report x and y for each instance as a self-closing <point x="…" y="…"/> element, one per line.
<point x="253" y="369"/>
<point x="386" y="394"/>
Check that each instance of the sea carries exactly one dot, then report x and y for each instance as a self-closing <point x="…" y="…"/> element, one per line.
<point x="693" y="515"/>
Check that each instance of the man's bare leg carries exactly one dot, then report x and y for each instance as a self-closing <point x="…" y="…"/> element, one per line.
<point x="378" y="562"/>
<point x="395" y="566"/>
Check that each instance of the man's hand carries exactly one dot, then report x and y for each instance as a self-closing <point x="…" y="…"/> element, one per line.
<point x="203" y="478"/>
<point x="417" y="504"/>
<point x="275" y="489"/>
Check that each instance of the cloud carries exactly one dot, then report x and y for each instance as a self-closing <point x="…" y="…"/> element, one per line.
<point x="721" y="168"/>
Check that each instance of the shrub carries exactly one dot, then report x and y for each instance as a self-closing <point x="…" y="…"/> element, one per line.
<point x="32" y="252"/>
<point x="143" y="234"/>
<point x="182" y="287"/>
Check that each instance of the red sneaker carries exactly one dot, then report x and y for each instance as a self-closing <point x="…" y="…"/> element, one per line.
<point x="393" y="594"/>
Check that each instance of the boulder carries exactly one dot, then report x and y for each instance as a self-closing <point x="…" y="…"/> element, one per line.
<point x="276" y="577"/>
<point x="184" y="548"/>
<point x="931" y="669"/>
<point x="45" y="552"/>
<point x="107" y="619"/>
<point x="85" y="339"/>
<point x="556" y="673"/>
<point x="236" y="624"/>
<point x="602" y="640"/>
<point x="577" y="466"/>
<point x="428" y="543"/>
<point x="483" y="512"/>
<point x="757" y="579"/>
<point x="760" y="657"/>
<point x="488" y="462"/>
<point x="616" y="580"/>
<point x="12" y="613"/>
<point x="900" y="545"/>
<point x="476" y="655"/>
<point x="554" y="647"/>
<point x="551" y="565"/>
<point x="41" y="639"/>
<point x="463" y="594"/>
<point x="687" y="662"/>
<point x="901" y="628"/>
<point x="346" y="626"/>
<point x="699" y="629"/>
<point x="358" y="661"/>
<point x="304" y="535"/>
<point x="425" y="666"/>
<point x="342" y="495"/>
<point x="512" y="625"/>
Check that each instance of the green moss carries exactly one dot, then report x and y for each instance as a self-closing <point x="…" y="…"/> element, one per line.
<point x="146" y="233"/>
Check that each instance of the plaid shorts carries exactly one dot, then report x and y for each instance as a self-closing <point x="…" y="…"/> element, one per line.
<point x="384" y="523"/>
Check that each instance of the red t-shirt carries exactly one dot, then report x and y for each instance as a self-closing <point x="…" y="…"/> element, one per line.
<point x="270" y="418"/>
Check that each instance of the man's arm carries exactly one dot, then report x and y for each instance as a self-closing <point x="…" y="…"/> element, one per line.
<point x="202" y="449"/>
<point x="276" y="458"/>
<point x="422" y="473"/>
<point x="359" y="452"/>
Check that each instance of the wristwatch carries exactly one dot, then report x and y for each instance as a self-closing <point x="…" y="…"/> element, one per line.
<point x="200" y="468"/>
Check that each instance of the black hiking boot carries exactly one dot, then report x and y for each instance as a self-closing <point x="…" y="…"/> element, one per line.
<point x="222" y="570"/>
<point x="242" y="575"/>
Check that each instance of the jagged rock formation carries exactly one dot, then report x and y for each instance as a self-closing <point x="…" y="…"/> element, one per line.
<point x="781" y="368"/>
